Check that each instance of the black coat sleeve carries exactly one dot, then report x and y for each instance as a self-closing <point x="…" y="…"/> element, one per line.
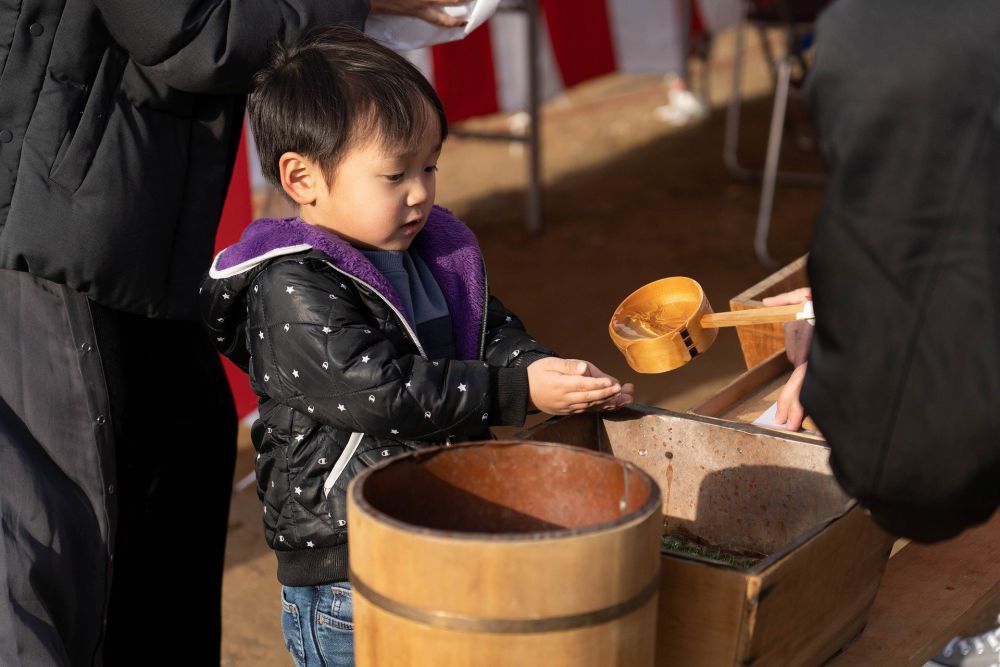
<point x="904" y="369"/>
<point x="215" y="46"/>
<point x="507" y="344"/>
<point x="509" y="347"/>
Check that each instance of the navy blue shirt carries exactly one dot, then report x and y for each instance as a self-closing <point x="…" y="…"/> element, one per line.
<point x="424" y="303"/>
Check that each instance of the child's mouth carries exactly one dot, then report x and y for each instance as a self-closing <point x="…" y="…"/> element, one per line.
<point x="412" y="225"/>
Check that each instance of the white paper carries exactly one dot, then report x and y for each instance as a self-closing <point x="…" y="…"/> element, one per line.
<point x="767" y="420"/>
<point x="405" y="33"/>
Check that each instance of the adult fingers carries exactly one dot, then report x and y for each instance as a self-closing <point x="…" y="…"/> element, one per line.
<point x="796" y="415"/>
<point x="795" y="296"/>
<point x="438" y="17"/>
<point x="790" y="412"/>
<point x="408" y="7"/>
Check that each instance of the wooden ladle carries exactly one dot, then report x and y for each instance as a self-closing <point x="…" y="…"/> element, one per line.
<point x="667" y="323"/>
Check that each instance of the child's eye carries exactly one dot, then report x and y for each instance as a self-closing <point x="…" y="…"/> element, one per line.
<point x="431" y="169"/>
<point x="394" y="178"/>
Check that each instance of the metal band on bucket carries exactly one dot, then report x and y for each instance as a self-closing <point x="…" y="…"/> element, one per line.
<point x="466" y="623"/>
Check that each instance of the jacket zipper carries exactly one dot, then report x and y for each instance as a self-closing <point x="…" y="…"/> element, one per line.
<point x="486" y="308"/>
<point x="356" y="438"/>
<point x="406" y="325"/>
<point x="399" y="315"/>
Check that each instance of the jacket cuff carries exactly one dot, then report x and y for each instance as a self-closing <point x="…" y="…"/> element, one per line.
<point x="528" y="358"/>
<point x="508" y="396"/>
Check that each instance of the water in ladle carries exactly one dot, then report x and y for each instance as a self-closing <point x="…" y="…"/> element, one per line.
<point x="667" y="318"/>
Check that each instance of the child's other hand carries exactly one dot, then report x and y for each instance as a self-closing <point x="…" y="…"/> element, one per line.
<point x="615" y="402"/>
<point x="567" y="386"/>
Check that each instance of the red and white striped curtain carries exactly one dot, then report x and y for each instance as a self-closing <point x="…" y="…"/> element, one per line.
<point x="580" y="39"/>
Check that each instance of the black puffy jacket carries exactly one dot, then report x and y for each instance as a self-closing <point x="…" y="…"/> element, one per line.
<point x="342" y="379"/>
<point x="119" y="123"/>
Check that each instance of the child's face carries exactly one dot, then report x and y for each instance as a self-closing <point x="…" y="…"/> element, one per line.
<point x="379" y="198"/>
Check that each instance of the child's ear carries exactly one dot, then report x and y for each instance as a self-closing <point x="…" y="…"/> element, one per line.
<point x="301" y="178"/>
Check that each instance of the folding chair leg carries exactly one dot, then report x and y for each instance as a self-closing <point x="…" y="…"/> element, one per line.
<point x="686" y="10"/>
<point x="534" y="203"/>
<point x="784" y="70"/>
<point x="532" y="134"/>
<point x="769" y="57"/>
<point x="730" y="150"/>
<point x="706" y="91"/>
<point x="731" y="145"/>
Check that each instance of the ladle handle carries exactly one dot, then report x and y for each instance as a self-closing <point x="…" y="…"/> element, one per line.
<point x="735" y="318"/>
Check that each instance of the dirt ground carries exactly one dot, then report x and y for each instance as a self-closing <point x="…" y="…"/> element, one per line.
<point x="628" y="199"/>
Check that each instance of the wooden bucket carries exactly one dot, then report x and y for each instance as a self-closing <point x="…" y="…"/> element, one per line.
<point x="505" y="553"/>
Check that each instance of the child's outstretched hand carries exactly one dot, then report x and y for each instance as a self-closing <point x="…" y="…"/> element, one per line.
<point x="567" y="386"/>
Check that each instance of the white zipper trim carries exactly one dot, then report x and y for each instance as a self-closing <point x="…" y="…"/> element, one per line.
<point x="216" y="274"/>
<point x="402" y="319"/>
<point x="486" y="311"/>
<point x="342" y="461"/>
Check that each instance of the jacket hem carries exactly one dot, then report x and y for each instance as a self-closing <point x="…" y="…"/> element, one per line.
<point x="312" y="567"/>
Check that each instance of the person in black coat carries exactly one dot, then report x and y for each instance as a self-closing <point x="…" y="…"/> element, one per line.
<point x="904" y="366"/>
<point x="119" y="123"/>
<point x="366" y="324"/>
<point x="903" y="371"/>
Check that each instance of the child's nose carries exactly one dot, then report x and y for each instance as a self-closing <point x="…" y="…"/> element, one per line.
<point x="417" y="194"/>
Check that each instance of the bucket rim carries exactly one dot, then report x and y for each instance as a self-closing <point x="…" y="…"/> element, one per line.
<point x="651" y="505"/>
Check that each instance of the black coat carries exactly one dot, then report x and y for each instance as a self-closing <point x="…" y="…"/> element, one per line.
<point x="119" y="122"/>
<point x="342" y="378"/>
<point x="904" y="369"/>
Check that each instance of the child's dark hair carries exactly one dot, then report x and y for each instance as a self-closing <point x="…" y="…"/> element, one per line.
<point x="334" y="89"/>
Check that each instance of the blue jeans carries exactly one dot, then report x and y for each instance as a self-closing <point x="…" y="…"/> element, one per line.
<point x="318" y="624"/>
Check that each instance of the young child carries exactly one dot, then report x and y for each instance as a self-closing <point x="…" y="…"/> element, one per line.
<point x="365" y="324"/>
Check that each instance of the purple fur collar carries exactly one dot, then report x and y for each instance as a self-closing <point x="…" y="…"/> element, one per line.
<point x="447" y="246"/>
